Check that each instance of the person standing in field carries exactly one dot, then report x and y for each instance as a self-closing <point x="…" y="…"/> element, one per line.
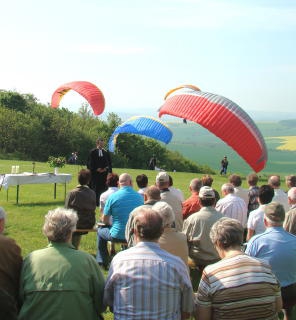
<point x="224" y="165"/>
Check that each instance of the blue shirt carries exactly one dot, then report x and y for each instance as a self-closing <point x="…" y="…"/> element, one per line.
<point x="119" y="205"/>
<point x="278" y="248"/>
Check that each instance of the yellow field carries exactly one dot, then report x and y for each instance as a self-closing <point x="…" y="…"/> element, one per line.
<point x="287" y="143"/>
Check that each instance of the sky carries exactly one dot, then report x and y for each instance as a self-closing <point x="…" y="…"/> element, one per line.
<point x="137" y="50"/>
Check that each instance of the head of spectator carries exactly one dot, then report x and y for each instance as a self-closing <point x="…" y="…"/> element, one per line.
<point x="226" y="235"/>
<point x="227" y="188"/>
<point x="84" y="177"/>
<point x="162" y="180"/>
<point x="171" y="181"/>
<point x="206" y="197"/>
<point x="2" y="220"/>
<point x="266" y="193"/>
<point x="274" y="215"/>
<point x="252" y="179"/>
<point x="152" y="193"/>
<point x="292" y="196"/>
<point x="291" y="181"/>
<point x="125" y="180"/>
<point x="274" y="181"/>
<point x="142" y="181"/>
<point x="148" y="225"/>
<point x="59" y="224"/>
<point x="207" y="180"/>
<point x="112" y="180"/>
<point x="166" y="212"/>
<point x="235" y="180"/>
<point x="195" y="185"/>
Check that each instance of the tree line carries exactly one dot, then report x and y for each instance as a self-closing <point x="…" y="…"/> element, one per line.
<point x="33" y="131"/>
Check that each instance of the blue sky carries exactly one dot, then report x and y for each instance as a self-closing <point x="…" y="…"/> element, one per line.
<point x="135" y="51"/>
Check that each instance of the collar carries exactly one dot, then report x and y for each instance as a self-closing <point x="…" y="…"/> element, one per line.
<point x="164" y="190"/>
<point x="60" y="244"/>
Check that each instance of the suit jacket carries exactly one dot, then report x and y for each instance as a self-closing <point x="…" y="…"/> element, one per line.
<point x="94" y="161"/>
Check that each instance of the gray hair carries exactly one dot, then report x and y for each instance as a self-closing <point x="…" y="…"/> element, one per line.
<point x="59" y="224"/>
<point x="195" y="184"/>
<point x="166" y="212"/>
<point x="227" y="233"/>
<point x="2" y="214"/>
<point x="228" y="188"/>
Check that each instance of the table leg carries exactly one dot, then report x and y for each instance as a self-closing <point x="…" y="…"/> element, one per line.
<point x="17" y="193"/>
<point x="65" y="190"/>
<point x="55" y="191"/>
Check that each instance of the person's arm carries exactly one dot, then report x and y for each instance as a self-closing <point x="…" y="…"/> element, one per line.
<point x="250" y="234"/>
<point x="105" y="219"/>
<point x="278" y="304"/>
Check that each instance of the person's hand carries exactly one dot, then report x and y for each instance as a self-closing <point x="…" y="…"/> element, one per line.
<point x="101" y="170"/>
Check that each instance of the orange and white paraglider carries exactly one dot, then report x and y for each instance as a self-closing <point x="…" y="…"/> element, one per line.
<point x="222" y="117"/>
<point x="89" y="91"/>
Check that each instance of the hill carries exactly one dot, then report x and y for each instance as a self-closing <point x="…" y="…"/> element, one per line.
<point x="199" y="145"/>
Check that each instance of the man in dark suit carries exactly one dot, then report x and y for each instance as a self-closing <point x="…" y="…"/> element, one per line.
<point x="99" y="163"/>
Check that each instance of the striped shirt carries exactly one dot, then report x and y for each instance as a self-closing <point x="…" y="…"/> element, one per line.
<point x="146" y="282"/>
<point x="239" y="287"/>
<point x="233" y="207"/>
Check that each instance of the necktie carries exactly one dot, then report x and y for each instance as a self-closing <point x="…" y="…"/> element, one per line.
<point x="100" y="153"/>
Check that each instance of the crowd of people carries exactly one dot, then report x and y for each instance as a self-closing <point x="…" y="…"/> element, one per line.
<point x="243" y="244"/>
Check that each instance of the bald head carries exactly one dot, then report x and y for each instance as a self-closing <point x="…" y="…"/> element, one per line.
<point x="125" y="180"/>
<point x="274" y="182"/>
<point x="148" y="225"/>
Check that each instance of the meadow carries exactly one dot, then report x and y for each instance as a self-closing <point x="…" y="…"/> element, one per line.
<point x="25" y="220"/>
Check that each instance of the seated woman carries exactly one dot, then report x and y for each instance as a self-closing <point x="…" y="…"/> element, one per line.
<point x="59" y="282"/>
<point x="238" y="286"/>
<point x="82" y="199"/>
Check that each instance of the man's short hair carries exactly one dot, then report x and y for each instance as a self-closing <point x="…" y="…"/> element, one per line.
<point x="228" y="187"/>
<point x="274" y="181"/>
<point x="252" y="179"/>
<point x="275" y="212"/>
<point x="236" y="180"/>
<point x="142" y="180"/>
<point x="207" y="180"/>
<point x="291" y="181"/>
<point x="195" y="184"/>
<point x="2" y="214"/>
<point x="153" y="193"/>
<point x="148" y="223"/>
<point x="265" y="194"/>
<point x="112" y="180"/>
<point x="84" y="177"/>
<point x="292" y="193"/>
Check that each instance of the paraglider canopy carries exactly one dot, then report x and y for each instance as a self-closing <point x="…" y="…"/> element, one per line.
<point x="89" y="91"/>
<point x="142" y="125"/>
<point x="222" y="117"/>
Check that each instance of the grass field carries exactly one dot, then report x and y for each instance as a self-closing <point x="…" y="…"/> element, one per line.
<point x="25" y="220"/>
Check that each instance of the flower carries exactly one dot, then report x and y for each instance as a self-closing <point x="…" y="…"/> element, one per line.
<point x="56" y="162"/>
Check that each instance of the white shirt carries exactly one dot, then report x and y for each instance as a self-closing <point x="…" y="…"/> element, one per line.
<point x="256" y="220"/>
<point x="233" y="207"/>
<point x="177" y="193"/>
<point x="281" y="197"/>
<point x="242" y="193"/>
<point x="104" y="196"/>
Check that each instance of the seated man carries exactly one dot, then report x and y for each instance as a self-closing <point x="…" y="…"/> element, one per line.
<point x="59" y="282"/>
<point x="253" y="192"/>
<point x="171" y="240"/>
<point x="191" y="205"/>
<point x="119" y="205"/>
<point x="10" y="269"/>
<point x="238" y="286"/>
<point x="142" y="183"/>
<point x="112" y="184"/>
<point x="256" y="217"/>
<point x="277" y="248"/>
<point x="146" y="282"/>
<point x="83" y="200"/>
<point x="290" y="218"/>
<point x="236" y="181"/>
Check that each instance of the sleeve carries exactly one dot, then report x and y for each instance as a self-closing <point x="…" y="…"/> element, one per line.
<point x="251" y="248"/>
<point x="109" y="288"/>
<point x="107" y="208"/>
<point x="187" y="302"/>
<point x="251" y="222"/>
<point x="98" y="283"/>
<point x="204" y="296"/>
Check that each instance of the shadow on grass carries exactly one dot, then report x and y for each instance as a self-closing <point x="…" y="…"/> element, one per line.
<point x="41" y="204"/>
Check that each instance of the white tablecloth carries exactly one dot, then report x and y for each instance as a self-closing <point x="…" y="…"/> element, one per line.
<point x="22" y="178"/>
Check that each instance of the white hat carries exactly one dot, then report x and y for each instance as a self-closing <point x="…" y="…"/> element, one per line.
<point x="162" y="177"/>
<point x="206" y="192"/>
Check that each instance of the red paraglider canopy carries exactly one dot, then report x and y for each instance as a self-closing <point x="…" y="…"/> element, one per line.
<point x="89" y="91"/>
<point x="222" y="117"/>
